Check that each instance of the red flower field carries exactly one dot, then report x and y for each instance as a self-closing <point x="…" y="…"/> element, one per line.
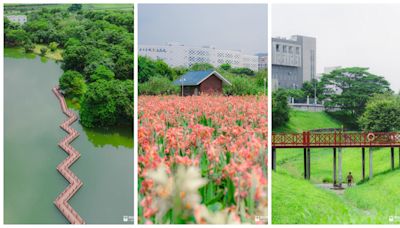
<point x="202" y="159"/>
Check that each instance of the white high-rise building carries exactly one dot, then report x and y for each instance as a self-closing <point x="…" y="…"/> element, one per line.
<point x="21" y="19"/>
<point x="179" y="55"/>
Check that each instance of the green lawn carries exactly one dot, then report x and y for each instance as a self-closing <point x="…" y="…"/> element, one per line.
<point x="380" y="197"/>
<point x="302" y="121"/>
<point x="296" y="200"/>
<point x="19" y="52"/>
<point x="56" y="55"/>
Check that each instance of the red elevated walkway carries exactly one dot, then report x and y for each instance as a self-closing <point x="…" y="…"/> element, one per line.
<point x="74" y="183"/>
<point x="335" y="139"/>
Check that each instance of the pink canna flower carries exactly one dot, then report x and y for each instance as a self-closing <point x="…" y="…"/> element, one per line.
<point x="225" y="136"/>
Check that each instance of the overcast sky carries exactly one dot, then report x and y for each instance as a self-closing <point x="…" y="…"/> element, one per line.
<point x="347" y="35"/>
<point x="225" y="26"/>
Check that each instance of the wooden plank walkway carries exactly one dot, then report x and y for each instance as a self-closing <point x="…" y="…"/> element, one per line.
<point x="74" y="183"/>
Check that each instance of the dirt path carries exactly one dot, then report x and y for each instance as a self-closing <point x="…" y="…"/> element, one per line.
<point x="329" y="186"/>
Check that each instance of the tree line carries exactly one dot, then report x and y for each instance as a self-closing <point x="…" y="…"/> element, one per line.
<point x="97" y="58"/>
<point x="365" y="100"/>
<point x="156" y="77"/>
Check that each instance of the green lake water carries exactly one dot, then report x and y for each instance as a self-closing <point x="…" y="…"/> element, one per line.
<point x="31" y="133"/>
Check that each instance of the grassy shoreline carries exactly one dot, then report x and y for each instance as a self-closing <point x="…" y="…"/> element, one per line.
<point x="19" y="52"/>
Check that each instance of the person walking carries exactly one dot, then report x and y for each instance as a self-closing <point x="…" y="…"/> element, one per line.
<point x="349" y="179"/>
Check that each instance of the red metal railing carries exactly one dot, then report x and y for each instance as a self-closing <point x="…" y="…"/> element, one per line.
<point x="336" y="139"/>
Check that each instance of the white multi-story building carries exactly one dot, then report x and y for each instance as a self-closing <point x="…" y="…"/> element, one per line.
<point x="179" y="55"/>
<point x="293" y="61"/>
<point x="21" y="19"/>
<point x="262" y="61"/>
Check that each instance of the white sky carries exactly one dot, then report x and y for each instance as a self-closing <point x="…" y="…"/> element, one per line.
<point x="225" y="26"/>
<point x="347" y="34"/>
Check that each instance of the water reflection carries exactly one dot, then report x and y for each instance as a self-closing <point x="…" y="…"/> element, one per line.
<point x="116" y="137"/>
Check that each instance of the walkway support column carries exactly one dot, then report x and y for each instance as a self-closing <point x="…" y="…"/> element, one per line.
<point x="370" y="163"/>
<point x="305" y="163"/>
<point x="274" y="159"/>
<point x="392" y="157"/>
<point x="334" y="167"/>
<point x="340" y="166"/>
<point x="363" y="163"/>
<point x="308" y="163"/>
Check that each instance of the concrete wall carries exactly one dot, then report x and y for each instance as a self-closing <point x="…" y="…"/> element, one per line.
<point x="308" y="57"/>
<point x="287" y="77"/>
<point x="308" y="107"/>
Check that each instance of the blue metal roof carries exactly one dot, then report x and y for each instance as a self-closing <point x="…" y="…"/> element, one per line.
<point x="193" y="78"/>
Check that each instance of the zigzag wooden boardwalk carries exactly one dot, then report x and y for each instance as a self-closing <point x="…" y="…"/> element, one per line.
<point x="74" y="183"/>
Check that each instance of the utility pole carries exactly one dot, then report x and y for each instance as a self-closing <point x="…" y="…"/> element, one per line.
<point x="315" y="90"/>
<point x="182" y="80"/>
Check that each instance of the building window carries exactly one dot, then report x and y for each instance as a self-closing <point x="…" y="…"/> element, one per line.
<point x="277" y="48"/>
<point x="290" y="49"/>
<point x="297" y="50"/>
<point x="284" y="49"/>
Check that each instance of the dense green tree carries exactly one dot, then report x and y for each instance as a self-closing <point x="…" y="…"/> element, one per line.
<point x="10" y="25"/>
<point x="124" y="67"/>
<point x="107" y="103"/>
<point x="381" y="114"/>
<point x="102" y="72"/>
<point x="149" y="68"/>
<point x="262" y="78"/>
<point x="28" y="47"/>
<point x="356" y="85"/>
<point x="311" y="88"/>
<point x="74" y="57"/>
<point x="75" y="7"/>
<point x="72" y="83"/>
<point x="280" y="108"/>
<point x="43" y="51"/>
<point x="201" y="66"/>
<point x="295" y="93"/>
<point x="94" y="58"/>
<point x="121" y="19"/>
<point x="243" y="70"/>
<point x="225" y="66"/>
<point x="39" y="30"/>
<point x="241" y="86"/>
<point x="74" y="30"/>
<point x="16" y="37"/>
<point x="53" y="46"/>
<point x="179" y="71"/>
<point x="158" y="85"/>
